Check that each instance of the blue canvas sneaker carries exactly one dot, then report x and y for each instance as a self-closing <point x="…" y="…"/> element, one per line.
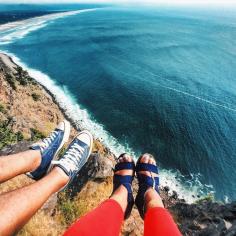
<point x="76" y="155"/>
<point x="49" y="148"/>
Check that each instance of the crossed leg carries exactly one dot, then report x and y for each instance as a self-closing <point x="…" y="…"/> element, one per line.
<point x="18" y="206"/>
<point x="16" y="164"/>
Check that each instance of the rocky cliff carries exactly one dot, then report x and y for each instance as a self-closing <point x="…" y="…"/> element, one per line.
<point x="29" y="112"/>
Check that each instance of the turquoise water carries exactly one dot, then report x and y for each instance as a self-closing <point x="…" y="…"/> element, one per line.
<point x="159" y="81"/>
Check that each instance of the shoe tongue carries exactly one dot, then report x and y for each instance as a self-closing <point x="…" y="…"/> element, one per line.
<point x="81" y="143"/>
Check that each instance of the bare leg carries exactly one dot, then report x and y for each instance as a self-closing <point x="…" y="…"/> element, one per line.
<point x="18" y="206"/>
<point x="157" y="221"/>
<point x="107" y="218"/>
<point x="121" y="194"/>
<point x="152" y="198"/>
<point x="16" y="164"/>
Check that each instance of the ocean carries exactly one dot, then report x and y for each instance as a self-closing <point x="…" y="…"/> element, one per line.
<point x="158" y="80"/>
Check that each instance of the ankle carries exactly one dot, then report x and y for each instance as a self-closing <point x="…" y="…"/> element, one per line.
<point x="152" y="199"/>
<point x="120" y="196"/>
<point x="61" y="175"/>
<point x="36" y="158"/>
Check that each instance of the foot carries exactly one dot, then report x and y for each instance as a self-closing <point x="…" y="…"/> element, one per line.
<point x="76" y="155"/>
<point x="122" y="183"/>
<point x="147" y="173"/>
<point x="49" y="148"/>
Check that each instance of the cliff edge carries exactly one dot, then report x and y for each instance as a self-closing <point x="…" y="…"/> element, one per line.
<point x="28" y="112"/>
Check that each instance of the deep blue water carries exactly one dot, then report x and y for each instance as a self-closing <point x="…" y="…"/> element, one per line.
<point x="160" y="81"/>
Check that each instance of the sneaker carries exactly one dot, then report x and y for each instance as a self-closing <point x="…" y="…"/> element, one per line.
<point x="49" y="148"/>
<point x="76" y="155"/>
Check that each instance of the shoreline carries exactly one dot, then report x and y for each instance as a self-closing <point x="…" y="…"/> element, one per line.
<point x="12" y="64"/>
<point x="95" y="181"/>
<point x="168" y="178"/>
<point x="11" y="25"/>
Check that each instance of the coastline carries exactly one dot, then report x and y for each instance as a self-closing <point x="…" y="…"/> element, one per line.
<point x="81" y="119"/>
<point x="94" y="183"/>
<point x="10" y="25"/>
<point x="10" y="65"/>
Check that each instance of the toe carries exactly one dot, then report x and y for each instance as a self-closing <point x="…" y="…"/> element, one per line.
<point x="152" y="161"/>
<point x="145" y="159"/>
<point x="129" y="158"/>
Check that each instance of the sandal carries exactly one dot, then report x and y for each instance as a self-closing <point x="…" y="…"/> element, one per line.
<point x="145" y="182"/>
<point x="126" y="181"/>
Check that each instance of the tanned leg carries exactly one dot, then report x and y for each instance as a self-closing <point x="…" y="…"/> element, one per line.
<point x="16" y="164"/>
<point x="152" y="198"/>
<point x="18" y="206"/>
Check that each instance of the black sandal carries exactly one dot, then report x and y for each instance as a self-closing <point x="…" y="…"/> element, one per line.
<point x="126" y="181"/>
<point x="145" y="182"/>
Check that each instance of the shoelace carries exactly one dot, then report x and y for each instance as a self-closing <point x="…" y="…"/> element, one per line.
<point x="47" y="141"/>
<point x="71" y="159"/>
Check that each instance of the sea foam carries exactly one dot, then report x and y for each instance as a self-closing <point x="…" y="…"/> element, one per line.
<point x="83" y="120"/>
<point x="79" y="115"/>
<point x="18" y="29"/>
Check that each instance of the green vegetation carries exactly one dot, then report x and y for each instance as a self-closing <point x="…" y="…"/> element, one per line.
<point x="36" y="134"/>
<point x="35" y="96"/>
<point x="7" y="136"/>
<point x="71" y="209"/>
<point x="19" y="136"/>
<point x="208" y="198"/>
<point x="22" y="76"/>
<point x="68" y="209"/>
<point x="2" y="108"/>
<point x="11" y="81"/>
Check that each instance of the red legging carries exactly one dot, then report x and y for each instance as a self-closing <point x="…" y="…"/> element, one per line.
<point x="106" y="220"/>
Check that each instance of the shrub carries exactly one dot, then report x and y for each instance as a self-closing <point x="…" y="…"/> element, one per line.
<point x="35" y="96"/>
<point x="23" y="76"/>
<point x="7" y="136"/>
<point x="2" y="108"/>
<point x="11" y="81"/>
<point x="23" y="81"/>
<point x="68" y="209"/>
<point x="19" y="136"/>
<point x="36" y="134"/>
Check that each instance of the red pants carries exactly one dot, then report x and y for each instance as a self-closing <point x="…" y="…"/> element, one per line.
<point x="106" y="220"/>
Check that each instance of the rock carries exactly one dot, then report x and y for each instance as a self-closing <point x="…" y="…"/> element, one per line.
<point x="166" y="188"/>
<point x="174" y="195"/>
<point x="15" y="148"/>
<point x="209" y="231"/>
<point x="103" y="166"/>
<point x="231" y="231"/>
<point x="97" y="168"/>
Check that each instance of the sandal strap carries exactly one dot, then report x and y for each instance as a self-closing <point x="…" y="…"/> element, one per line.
<point x="146" y="181"/>
<point x="123" y="179"/>
<point x="125" y="166"/>
<point x="126" y="181"/>
<point x="146" y="167"/>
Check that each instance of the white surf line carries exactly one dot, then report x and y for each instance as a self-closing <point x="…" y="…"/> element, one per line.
<point x="83" y="120"/>
<point x="14" y="24"/>
<point x="19" y="29"/>
<point x="174" y="89"/>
